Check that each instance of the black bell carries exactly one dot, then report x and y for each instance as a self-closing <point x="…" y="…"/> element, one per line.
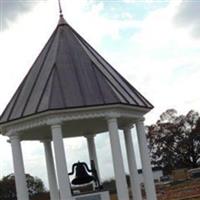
<point x="82" y="176"/>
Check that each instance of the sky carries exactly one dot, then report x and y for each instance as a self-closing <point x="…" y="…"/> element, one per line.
<point x="154" y="44"/>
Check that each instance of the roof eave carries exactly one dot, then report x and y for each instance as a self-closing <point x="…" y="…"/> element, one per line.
<point x="124" y="107"/>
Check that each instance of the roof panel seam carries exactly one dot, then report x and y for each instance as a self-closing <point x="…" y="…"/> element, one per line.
<point x="43" y="92"/>
<point x="98" y="84"/>
<point x="22" y="84"/>
<point x="42" y="65"/>
<point x="11" y="110"/>
<point x="50" y="95"/>
<point x="108" y="72"/>
<point x="114" y="86"/>
<point x="92" y="49"/>
<point x="105" y="68"/>
<point x="78" y="81"/>
<point x="60" y="86"/>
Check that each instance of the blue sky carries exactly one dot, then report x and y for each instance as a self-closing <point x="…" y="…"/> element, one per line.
<point x="155" y="45"/>
<point x="120" y="9"/>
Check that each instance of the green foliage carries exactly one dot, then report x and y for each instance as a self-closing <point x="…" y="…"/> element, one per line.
<point x="174" y="140"/>
<point x="8" y="190"/>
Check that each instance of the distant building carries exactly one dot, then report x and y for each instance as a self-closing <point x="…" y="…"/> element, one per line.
<point x="157" y="173"/>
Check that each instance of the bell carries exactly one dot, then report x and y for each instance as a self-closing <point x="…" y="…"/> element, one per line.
<point x="82" y="176"/>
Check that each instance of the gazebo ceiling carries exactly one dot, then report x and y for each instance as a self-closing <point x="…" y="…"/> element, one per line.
<point x="69" y="73"/>
<point x="71" y="129"/>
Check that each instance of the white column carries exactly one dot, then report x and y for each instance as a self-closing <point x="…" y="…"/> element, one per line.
<point x="92" y="151"/>
<point x="146" y="163"/>
<point x="120" y="176"/>
<point x="20" y="180"/>
<point x="134" y="178"/>
<point x="53" y="187"/>
<point x="63" y="178"/>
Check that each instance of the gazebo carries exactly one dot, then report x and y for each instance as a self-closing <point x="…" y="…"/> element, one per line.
<point x="72" y="91"/>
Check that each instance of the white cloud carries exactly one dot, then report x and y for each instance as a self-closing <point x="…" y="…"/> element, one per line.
<point x="10" y="10"/>
<point x="6" y="157"/>
<point x="129" y="1"/>
<point x="188" y="16"/>
<point x="164" y="63"/>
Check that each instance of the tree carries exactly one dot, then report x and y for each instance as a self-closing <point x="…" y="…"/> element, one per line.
<point x="174" y="140"/>
<point x="8" y="190"/>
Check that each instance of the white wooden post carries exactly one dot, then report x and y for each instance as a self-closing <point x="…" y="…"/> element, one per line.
<point x="63" y="178"/>
<point x="134" y="177"/>
<point x="120" y="176"/>
<point x="146" y="163"/>
<point x="92" y="151"/>
<point x="20" y="179"/>
<point x="53" y="187"/>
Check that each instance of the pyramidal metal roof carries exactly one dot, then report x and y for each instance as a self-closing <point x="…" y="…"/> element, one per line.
<point x="69" y="73"/>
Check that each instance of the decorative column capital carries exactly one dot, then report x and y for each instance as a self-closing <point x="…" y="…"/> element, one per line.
<point x="90" y="136"/>
<point x="142" y="119"/>
<point x="112" y="115"/>
<point x="11" y="133"/>
<point x="128" y="127"/>
<point x="111" y="119"/>
<point x="14" y="138"/>
<point x="45" y="141"/>
<point x="54" y="122"/>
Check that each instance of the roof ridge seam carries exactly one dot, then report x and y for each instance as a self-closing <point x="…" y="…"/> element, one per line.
<point x="110" y="75"/>
<point x="53" y="69"/>
<point x="78" y="81"/>
<point x="50" y="95"/>
<point x="40" y="99"/>
<point x="29" y="71"/>
<point x="59" y="82"/>
<point x="33" y="86"/>
<point x="109" y="84"/>
<point x="99" y="87"/>
<point x="140" y="97"/>
<point x="122" y="87"/>
<point x="11" y="110"/>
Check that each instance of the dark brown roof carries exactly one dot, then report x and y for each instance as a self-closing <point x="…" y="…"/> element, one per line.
<point x="69" y="73"/>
